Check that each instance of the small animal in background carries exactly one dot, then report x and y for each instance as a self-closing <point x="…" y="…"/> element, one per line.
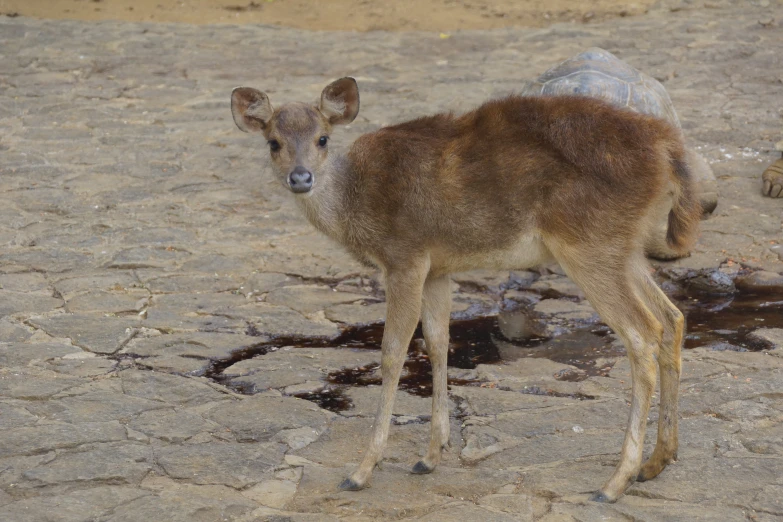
<point x="515" y="183"/>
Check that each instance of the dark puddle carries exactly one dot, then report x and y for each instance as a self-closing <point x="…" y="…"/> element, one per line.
<point x="726" y="322"/>
<point x="723" y="322"/>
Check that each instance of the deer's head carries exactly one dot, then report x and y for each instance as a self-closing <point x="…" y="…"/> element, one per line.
<point x="297" y="133"/>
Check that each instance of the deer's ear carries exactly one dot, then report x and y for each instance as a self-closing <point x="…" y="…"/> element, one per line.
<point x="340" y="101"/>
<point x="251" y="109"/>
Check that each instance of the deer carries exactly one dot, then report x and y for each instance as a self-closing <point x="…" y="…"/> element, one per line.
<point x="515" y="183"/>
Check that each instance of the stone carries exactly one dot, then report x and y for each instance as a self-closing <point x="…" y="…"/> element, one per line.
<point x="261" y="418"/>
<point x="147" y="257"/>
<point x="13" y="415"/>
<point x="19" y="354"/>
<point x="265" y="514"/>
<point x="483" y="441"/>
<point x="365" y="403"/>
<point x="272" y="493"/>
<point x="265" y="319"/>
<point x="721" y="480"/>
<point x="71" y="285"/>
<point x="559" y="316"/>
<point x="769" y="500"/>
<point x="407" y="443"/>
<point x="260" y="283"/>
<point x="490" y="401"/>
<point x="289" y="366"/>
<point x="184" y="283"/>
<point x="82" y="364"/>
<point x="47" y="437"/>
<point x="104" y="302"/>
<point x="175" y="364"/>
<point x="772" y="336"/>
<point x="92" y="332"/>
<point x="24" y="282"/>
<point x="193" y="345"/>
<point x="307" y="299"/>
<point x="105" y="463"/>
<point x="395" y="491"/>
<point x="559" y="285"/>
<point x="31" y="384"/>
<point x="712" y="282"/>
<point x="527" y="507"/>
<point x="357" y="314"/>
<point x="165" y="388"/>
<point x="12" y="332"/>
<point x="230" y="464"/>
<point x="490" y="280"/>
<point x="661" y="509"/>
<point x="29" y="303"/>
<point x="172" y="426"/>
<point x="760" y="280"/>
<point x="98" y="406"/>
<point x="73" y="506"/>
<point x="185" y="503"/>
<point x="198" y="303"/>
<point x="468" y="511"/>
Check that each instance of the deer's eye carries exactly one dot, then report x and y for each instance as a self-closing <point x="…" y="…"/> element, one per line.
<point x="322" y="141"/>
<point x="274" y="145"/>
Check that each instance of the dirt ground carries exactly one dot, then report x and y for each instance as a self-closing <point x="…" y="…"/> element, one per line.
<point x="347" y="15"/>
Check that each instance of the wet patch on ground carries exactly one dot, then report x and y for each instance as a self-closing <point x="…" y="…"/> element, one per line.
<point x="726" y="322"/>
<point x="722" y="322"/>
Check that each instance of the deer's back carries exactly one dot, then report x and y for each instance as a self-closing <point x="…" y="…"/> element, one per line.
<point x="514" y="167"/>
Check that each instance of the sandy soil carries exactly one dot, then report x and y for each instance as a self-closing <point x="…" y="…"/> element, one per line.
<point x="349" y="15"/>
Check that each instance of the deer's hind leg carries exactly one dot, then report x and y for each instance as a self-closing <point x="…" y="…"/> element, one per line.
<point x="669" y="364"/>
<point x="436" y="309"/>
<point x="608" y="280"/>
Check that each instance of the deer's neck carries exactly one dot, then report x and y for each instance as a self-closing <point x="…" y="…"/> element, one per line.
<point x="326" y="206"/>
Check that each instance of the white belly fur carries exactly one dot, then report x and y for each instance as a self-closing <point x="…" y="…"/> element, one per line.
<point x="527" y="252"/>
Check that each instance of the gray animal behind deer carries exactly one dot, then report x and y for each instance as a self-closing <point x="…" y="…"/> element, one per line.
<point x="518" y="182"/>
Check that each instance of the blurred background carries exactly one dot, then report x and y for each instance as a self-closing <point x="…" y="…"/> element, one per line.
<point x="341" y="15"/>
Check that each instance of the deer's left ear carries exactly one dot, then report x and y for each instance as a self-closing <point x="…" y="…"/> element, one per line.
<point x="251" y="109"/>
<point x="340" y="101"/>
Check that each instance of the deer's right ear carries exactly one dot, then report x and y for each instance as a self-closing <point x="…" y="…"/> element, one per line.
<point x="251" y="109"/>
<point x="340" y="101"/>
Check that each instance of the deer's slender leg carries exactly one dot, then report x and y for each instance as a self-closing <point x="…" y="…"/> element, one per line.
<point x="669" y="364"/>
<point x="403" y="296"/>
<point x="436" y="308"/>
<point x="610" y="286"/>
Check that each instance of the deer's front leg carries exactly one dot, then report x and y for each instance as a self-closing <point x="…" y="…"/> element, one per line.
<point x="403" y="307"/>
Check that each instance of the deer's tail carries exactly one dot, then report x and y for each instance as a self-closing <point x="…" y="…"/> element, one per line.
<point x="684" y="217"/>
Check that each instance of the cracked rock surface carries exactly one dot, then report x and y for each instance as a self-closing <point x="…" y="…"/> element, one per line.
<point x="171" y="328"/>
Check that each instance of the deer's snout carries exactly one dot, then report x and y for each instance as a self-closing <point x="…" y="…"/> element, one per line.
<point x="300" y="180"/>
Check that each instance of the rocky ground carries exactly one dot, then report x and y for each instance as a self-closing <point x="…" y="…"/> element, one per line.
<point x="170" y="326"/>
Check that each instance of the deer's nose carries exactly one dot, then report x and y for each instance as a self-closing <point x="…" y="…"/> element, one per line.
<point x="300" y="180"/>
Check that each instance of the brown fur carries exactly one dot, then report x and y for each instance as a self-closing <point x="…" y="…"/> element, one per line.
<point x="514" y="183"/>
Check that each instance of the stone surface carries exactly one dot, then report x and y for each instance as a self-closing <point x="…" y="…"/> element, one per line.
<point x="47" y="437"/>
<point x="231" y="464"/>
<point x="261" y="418"/>
<point x="95" y="333"/>
<point x="773" y="336"/>
<point x="75" y="506"/>
<point x="290" y="366"/>
<point x="144" y="238"/>
<point x="108" y="463"/>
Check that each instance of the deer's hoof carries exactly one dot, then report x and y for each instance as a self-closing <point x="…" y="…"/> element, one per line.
<point x="600" y="496"/>
<point x="350" y="485"/>
<point x="420" y="468"/>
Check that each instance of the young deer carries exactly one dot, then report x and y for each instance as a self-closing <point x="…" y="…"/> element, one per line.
<point x="515" y="183"/>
